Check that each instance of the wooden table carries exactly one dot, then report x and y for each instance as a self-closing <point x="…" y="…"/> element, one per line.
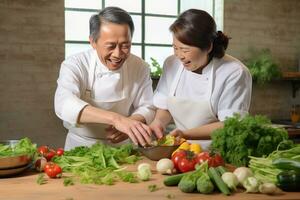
<point x="24" y="187"/>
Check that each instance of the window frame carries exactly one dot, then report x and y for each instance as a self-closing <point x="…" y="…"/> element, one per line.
<point x="143" y="15"/>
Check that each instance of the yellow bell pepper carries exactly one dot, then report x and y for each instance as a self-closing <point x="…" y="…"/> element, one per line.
<point x="196" y="148"/>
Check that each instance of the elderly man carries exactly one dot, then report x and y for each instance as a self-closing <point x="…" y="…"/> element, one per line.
<point x="105" y="94"/>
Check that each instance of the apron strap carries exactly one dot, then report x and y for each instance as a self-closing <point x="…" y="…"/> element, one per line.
<point x="176" y="81"/>
<point x="92" y="68"/>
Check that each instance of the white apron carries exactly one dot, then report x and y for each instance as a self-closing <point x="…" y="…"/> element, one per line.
<point x="188" y="114"/>
<point x="89" y="134"/>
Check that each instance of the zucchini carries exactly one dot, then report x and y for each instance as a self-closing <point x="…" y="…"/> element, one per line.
<point x="175" y="179"/>
<point x="216" y="178"/>
<point x="286" y="164"/>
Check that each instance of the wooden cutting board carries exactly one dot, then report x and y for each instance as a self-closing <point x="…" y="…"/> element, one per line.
<point x="24" y="187"/>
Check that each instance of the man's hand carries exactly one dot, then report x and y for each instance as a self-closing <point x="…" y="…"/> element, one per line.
<point x="157" y="127"/>
<point x="114" y="135"/>
<point x="138" y="132"/>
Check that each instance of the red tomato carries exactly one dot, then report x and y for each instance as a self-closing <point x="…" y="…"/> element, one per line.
<point x="43" y="150"/>
<point x="60" y="151"/>
<point x="177" y="156"/>
<point x="49" y="155"/>
<point x="48" y="165"/>
<point x="187" y="164"/>
<point x="213" y="159"/>
<point x="53" y="171"/>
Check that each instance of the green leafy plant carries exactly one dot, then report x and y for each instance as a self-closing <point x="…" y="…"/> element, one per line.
<point x="156" y="69"/>
<point x="262" y="66"/>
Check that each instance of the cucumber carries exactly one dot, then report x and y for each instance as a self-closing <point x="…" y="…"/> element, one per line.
<point x="216" y="178"/>
<point x="175" y="179"/>
<point x="221" y="170"/>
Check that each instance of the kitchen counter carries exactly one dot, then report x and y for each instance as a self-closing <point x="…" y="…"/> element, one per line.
<point x="24" y="187"/>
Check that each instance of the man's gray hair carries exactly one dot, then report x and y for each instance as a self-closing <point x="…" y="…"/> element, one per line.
<point x="109" y="14"/>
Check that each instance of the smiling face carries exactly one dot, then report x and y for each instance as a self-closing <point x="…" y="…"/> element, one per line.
<point x="192" y="58"/>
<point x="113" y="45"/>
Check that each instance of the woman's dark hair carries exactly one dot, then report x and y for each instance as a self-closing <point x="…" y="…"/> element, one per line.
<point x="109" y="14"/>
<point x="197" y="28"/>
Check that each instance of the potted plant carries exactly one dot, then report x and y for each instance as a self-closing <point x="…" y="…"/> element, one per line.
<point x="262" y="66"/>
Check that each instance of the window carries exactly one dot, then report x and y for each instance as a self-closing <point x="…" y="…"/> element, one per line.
<point x="151" y="18"/>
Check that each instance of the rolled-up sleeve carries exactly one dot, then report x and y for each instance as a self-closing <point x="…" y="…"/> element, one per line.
<point x="67" y="100"/>
<point x="143" y="101"/>
<point x="236" y="95"/>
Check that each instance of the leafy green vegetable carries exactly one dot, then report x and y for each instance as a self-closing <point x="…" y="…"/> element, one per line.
<point x="41" y="179"/>
<point x="262" y="67"/>
<point x="263" y="168"/>
<point x="99" y="164"/>
<point x="248" y="136"/>
<point x="22" y="147"/>
<point x="170" y="196"/>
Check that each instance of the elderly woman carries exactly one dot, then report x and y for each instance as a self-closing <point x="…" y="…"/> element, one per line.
<point x="200" y="85"/>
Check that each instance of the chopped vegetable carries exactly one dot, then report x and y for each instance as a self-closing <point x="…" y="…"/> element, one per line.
<point x="68" y="181"/>
<point x="99" y="164"/>
<point x="41" y="179"/>
<point x="22" y="147"/>
<point x="153" y="188"/>
<point x="144" y="172"/>
<point x="170" y="196"/>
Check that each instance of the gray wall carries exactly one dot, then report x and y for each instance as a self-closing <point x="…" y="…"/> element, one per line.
<point x="32" y="48"/>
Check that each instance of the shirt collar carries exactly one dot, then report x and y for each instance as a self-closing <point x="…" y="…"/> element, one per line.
<point x="101" y="68"/>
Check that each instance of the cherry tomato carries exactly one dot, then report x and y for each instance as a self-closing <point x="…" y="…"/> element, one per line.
<point x="43" y="150"/>
<point x="49" y="155"/>
<point x="53" y="170"/>
<point x="48" y="165"/>
<point x="187" y="163"/>
<point x="177" y="156"/>
<point x="213" y="159"/>
<point x="60" y="151"/>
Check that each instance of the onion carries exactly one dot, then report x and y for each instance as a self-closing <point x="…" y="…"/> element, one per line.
<point x="165" y="166"/>
<point x="242" y="173"/>
<point x="230" y="179"/>
<point x="40" y="164"/>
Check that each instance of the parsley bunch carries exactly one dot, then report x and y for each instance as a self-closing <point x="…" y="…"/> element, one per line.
<point x="248" y="136"/>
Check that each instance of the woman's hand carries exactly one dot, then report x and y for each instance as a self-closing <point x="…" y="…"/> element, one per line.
<point x="157" y="127"/>
<point x="177" y="133"/>
<point x="137" y="131"/>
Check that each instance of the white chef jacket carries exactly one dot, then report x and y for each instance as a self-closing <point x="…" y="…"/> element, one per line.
<point x="73" y="82"/>
<point x="231" y="91"/>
